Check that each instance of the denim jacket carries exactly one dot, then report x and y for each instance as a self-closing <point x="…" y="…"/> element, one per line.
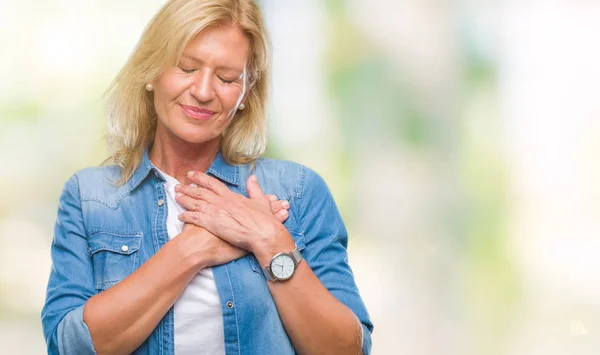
<point x="105" y="232"/>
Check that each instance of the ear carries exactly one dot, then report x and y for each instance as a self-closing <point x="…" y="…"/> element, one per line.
<point x="250" y="82"/>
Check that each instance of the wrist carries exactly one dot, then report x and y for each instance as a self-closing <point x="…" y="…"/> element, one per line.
<point x="189" y="253"/>
<point x="279" y="241"/>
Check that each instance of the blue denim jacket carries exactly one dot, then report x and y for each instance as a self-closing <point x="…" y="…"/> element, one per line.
<point x="96" y="219"/>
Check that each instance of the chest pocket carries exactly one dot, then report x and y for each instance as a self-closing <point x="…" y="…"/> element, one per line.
<point x="114" y="256"/>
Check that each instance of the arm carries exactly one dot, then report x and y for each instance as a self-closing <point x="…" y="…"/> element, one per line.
<point x="316" y="321"/>
<point x="76" y="320"/>
<point x="62" y="315"/>
<point x="122" y="317"/>
<point x="319" y="306"/>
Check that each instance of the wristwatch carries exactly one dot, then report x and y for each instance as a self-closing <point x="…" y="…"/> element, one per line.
<point x="283" y="266"/>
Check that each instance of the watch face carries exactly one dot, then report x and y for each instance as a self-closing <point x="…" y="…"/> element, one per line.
<point x="282" y="266"/>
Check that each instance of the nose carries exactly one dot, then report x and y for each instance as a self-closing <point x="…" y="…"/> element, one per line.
<point x="202" y="88"/>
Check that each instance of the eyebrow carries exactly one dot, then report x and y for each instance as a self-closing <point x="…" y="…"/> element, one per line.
<point x="199" y="61"/>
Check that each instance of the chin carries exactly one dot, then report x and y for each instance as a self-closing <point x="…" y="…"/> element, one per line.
<point x="198" y="137"/>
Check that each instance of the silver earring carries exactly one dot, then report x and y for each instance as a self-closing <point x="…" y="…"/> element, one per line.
<point x="149" y="87"/>
<point x="241" y="107"/>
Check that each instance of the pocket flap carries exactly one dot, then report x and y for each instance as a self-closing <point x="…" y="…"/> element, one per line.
<point x="117" y="243"/>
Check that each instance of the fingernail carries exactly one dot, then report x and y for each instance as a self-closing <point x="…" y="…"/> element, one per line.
<point x="253" y="178"/>
<point x="178" y="195"/>
<point x="178" y="186"/>
<point x="190" y="173"/>
<point x="273" y="198"/>
<point x="283" y="212"/>
<point x="285" y="204"/>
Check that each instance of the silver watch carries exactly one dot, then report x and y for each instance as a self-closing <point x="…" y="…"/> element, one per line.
<point x="283" y="266"/>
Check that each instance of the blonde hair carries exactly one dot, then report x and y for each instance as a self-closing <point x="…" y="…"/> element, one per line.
<point x="130" y="111"/>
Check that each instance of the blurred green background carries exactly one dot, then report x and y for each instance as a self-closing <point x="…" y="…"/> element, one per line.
<point x="460" y="140"/>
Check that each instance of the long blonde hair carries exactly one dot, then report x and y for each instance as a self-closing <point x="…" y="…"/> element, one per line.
<point x="130" y="111"/>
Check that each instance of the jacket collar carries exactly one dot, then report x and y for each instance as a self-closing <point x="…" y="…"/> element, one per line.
<point x="219" y="169"/>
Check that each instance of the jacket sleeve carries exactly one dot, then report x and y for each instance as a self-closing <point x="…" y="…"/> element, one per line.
<point x="326" y="242"/>
<point x="71" y="281"/>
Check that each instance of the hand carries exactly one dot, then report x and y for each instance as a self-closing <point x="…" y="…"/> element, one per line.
<point x="216" y="251"/>
<point x="279" y="208"/>
<point x="241" y="221"/>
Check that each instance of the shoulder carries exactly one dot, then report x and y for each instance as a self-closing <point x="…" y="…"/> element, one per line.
<point x="99" y="184"/>
<point x="99" y="173"/>
<point x="299" y="179"/>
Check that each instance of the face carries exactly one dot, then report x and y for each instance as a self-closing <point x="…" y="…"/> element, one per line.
<point x="196" y="100"/>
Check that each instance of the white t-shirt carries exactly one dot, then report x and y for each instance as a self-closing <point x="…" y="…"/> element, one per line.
<point x="198" y="314"/>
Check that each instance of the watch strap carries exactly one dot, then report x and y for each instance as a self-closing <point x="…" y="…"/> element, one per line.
<point x="268" y="274"/>
<point x="296" y="256"/>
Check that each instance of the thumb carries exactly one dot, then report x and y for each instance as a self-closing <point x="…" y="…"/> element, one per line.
<point x="253" y="188"/>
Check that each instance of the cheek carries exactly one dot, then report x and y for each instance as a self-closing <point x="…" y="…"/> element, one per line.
<point x="167" y="90"/>
<point x="230" y="99"/>
<point x="159" y="101"/>
<point x="229" y="96"/>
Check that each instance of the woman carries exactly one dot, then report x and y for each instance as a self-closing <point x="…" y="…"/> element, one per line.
<point x="176" y="248"/>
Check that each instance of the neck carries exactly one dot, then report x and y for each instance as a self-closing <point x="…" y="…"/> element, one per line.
<point x="176" y="157"/>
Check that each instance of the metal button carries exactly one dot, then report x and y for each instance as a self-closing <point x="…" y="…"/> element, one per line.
<point x="161" y="202"/>
<point x="229" y="304"/>
<point x="124" y="248"/>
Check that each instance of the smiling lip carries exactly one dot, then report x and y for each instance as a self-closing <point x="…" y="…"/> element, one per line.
<point x="197" y="113"/>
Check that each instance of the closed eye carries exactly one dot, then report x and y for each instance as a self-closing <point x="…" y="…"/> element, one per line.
<point x="187" y="71"/>
<point x="225" y="81"/>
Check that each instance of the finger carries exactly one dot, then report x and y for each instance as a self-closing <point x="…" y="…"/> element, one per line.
<point x="272" y="197"/>
<point x="190" y="203"/>
<point x="197" y="218"/>
<point x="279" y="205"/>
<point x="253" y="188"/>
<point x="208" y="182"/>
<point x="196" y="192"/>
<point x="281" y="216"/>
